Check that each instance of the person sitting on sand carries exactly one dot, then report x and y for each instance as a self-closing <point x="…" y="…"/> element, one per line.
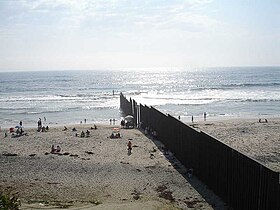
<point x="17" y="131"/>
<point x="118" y="135"/>
<point x="53" y="150"/>
<point x="112" y="136"/>
<point x="47" y="128"/>
<point x="74" y="129"/>
<point x="21" y="131"/>
<point x="65" y="128"/>
<point x="6" y="134"/>
<point x="82" y="134"/>
<point x="87" y="133"/>
<point x="43" y="129"/>
<point x="58" y="149"/>
<point x="95" y="127"/>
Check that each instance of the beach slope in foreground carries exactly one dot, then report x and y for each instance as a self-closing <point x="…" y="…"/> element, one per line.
<point x="95" y="172"/>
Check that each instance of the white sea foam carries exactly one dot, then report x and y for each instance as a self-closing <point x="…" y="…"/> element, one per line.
<point x="75" y="95"/>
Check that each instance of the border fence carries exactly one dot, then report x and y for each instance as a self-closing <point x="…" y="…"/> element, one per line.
<point x="243" y="183"/>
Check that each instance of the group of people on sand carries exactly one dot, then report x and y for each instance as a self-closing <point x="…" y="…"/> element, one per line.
<point x="41" y="128"/>
<point x="84" y="134"/>
<point x="16" y="133"/>
<point x="115" y="135"/>
<point x="19" y="132"/>
<point x="260" y="120"/>
<point x="55" y="150"/>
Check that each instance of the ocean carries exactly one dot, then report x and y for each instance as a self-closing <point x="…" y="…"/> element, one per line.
<point x="68" y="97"/>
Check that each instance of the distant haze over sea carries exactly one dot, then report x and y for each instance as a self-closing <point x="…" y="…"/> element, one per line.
<point x="65" y="97"/>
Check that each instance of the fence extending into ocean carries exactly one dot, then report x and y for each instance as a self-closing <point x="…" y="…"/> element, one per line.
<point x="243" y="183"/>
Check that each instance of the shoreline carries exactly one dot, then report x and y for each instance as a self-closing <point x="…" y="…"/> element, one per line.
<point x="184" y="119"/>
<point x="55" y="125"/>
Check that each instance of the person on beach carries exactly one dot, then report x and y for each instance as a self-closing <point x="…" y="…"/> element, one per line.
<point x="82" y="134"/>
<point x="58" y="149"/>
<point x="87" y="133"/>
<point x="122" y="123"/>
<point x="17" y="131"/>
<point x="204" y="115"/>
<point x="20" y="123"/>
<point x="192" y="118"/>
<point x="129" y="147"/>
<point x="39" y="125"/>
<point x="21" y="131"/>
<point x="85" y="121"/>
<point x="110" y="121"/>
<point x="65" y="128"/>
<point x="53" y="150"/>
<point x="39" y="122"/>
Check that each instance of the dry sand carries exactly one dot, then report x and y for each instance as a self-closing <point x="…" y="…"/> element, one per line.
<point x="260" y="141"/>
<point x="96" y="172"/>
<point x="109" y="178"/>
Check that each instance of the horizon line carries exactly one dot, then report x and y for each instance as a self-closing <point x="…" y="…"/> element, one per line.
<point x="140" y="68"/>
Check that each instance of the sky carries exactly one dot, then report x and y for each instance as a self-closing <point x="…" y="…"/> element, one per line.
<point x="123" y="34"/>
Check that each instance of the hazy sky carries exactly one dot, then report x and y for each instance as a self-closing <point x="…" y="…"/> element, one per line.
<point x="106" y="34"/>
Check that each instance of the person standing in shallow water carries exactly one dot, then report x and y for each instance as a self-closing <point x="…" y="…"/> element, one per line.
<point x="204" y="115"/>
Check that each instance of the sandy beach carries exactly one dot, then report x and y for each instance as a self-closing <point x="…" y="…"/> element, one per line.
<point x="97" y="172"/>
<point x="260" y="141"/>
